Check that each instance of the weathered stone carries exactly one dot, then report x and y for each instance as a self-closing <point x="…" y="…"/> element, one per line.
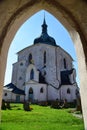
<point x="26" y="106"/>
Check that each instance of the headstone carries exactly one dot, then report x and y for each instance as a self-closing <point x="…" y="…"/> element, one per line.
<point x="3" y="107"/>
<point x="8" y="105"/>
<point x="26" y="106"/>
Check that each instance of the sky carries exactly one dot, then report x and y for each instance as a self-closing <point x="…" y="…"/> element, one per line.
<point x="30" y="30"/>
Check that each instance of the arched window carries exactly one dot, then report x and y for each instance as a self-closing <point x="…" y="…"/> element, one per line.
<point x="64" y="60"/>
<point x="44" y="57"/>
<point x="68" y="91"/>
<point x="30" y="58"/>
<point x="21" y="64"/>
<point x="30" y="91"/>
<point x="41" y="90"/>
<point x="31" y="96"/>
<point x="32" y="74"/>
<point x="20" y="78"/>
<point x="5" y="94"/>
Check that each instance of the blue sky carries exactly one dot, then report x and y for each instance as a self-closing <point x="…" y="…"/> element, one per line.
<point x="32" y="29"/>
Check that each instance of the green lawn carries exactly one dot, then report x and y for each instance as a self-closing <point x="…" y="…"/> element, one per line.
<point x="40" y="118"/>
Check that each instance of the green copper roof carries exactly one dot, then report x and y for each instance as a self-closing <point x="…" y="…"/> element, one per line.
<point x="44" y="37"/>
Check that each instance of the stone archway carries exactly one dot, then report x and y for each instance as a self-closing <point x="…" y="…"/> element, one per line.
<point x="69" y="13"/>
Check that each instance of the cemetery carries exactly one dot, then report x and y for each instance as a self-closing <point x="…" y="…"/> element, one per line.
<point x="40" y="118"/>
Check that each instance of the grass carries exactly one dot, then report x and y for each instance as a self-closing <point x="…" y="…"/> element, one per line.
<point x="40" y="118"/>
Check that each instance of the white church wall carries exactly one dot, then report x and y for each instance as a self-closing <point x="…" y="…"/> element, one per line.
<point x="21" y="98"/>
<point x="37" y="52"/>
<point x="37" y="95"/>
<point x="18" y="74"/>
<point x="53" y="94"/>
<point x="21" y="74"/>
<point x="69" y="96"/>
<point x="7" y="95"/>
<point x="14" y="73"/>
<point x="61" y="56"/>
<point x="58" y="63"/>
<point x="13" y="97"/>
<point x="36" y="73"/>
<point x="54" y="65"/>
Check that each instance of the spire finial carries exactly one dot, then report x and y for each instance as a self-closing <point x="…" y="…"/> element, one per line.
<point x="44" y="25"/>
<point x="44" y="15"/>
<point x="44" y="37"/>
<point x="44" y="22"/>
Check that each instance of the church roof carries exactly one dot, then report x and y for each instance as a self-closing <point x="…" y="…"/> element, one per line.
<point x="14" y="89"/>
<point x="65" y="80"/>
<point x="44" y="37"/>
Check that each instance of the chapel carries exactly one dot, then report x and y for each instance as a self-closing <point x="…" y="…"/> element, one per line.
<point x="44" y="71"/>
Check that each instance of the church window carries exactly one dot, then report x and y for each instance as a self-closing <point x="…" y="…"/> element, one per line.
<point x="30" y="91"/>
<point x="30" y="58"/>
<point x="64" y="63"/>
<point x="23" y="83"/>
<point x="68" y="91"/>
<point x="5" y="94"/>
<point x="41" y="90"/>
<point x="32" y="74"/>
<point x="44" y="57"/>
<point x="21" y="64"/>
<point x="17" y="98"/>
<point x="20" y="78"/>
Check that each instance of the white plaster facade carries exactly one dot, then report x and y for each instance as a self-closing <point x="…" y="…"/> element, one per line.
<point x="71" y="95"/>
<point x="45" y="65"/>
<point x="54" y="66"/>
<point x="8" y="96"/>
<point x="37" y="95"/>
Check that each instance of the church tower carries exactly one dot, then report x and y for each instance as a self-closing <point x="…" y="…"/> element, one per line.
<point x="44" y="37"/>
<point x="44" y="71"/>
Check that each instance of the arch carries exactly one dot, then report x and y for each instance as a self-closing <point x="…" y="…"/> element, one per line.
<point x="30" y="91"/>
<point x="31" y="74"/>
<point x="68" y="91"/>
<point x="5" y="94"/>
<point x="41" y="90"/>
<point x="67" y="18"/>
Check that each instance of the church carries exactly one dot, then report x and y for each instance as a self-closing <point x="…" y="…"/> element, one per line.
<point x="44" y="71"/>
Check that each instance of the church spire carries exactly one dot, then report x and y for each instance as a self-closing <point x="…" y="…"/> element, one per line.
<point x="44" y="37"/>
<point x="44" y="25"/>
